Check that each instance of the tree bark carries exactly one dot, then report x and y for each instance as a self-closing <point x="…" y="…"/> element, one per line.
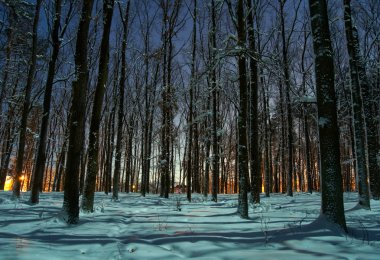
<point x="26" y="105"/>
<point x="331" y="178"/>
<point x="41" y="150"/>
<point x="119" y="136"/>
<point x="214" y="86"/>
<point x="357" y="106"/>
<point x="243" y="115"/>
<point x="253" y="111"/>
<point x="191" y="105"/>
<point x="369" y="104"/>
<point x="93" y="146"/>
<point x="77" y="118"/>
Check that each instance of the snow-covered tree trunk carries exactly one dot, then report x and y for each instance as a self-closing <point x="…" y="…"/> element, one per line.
<point x="242" y="114"/>
<point x="120" y="114"/>
<point x="369" y="102"/>
<point x="26" y="104"/>
<point x="331" y="178"/>
<point x="357" y="105"/>
<point x="253" y="111"/>
<point x="214" y="91"/>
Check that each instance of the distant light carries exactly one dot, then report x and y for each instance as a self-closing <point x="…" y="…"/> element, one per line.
<point x="8" y="183"/>
<point x="22" y="177"/>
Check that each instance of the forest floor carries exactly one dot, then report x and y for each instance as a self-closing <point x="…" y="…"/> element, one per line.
<point x="141" y="228"/>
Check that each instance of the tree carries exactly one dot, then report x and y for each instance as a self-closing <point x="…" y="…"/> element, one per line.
<point x="170" y="16"/>
<point x="369" y="102"/>
<point x="93" y="146"/>
<point x="191" y="105"/>
<point x="285" y="46"/>
<point x="357" y="105"/>
<point x="214" y="91"/>
<point x="331" y="178"/>
<point x="77" y="118"/>
<point x="41" y="152"/>
<point x="120" y="114"/>
<point x="253" y="111"/>
<point x="243" y="113"/>
<point x="26" y="104"/>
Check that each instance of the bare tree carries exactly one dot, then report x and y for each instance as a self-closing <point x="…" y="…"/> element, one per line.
<point x="26" y="104"/>
<point x="214" y="91"/>
<point x="190" y="166"/>
<point x="120" y="116"/>
<point x="331" y="178"/>
<point x="41" y="152"/>
<point x="357" y="106"/>
<point x="77" y="118"/>
<point x="253" y="110"/>
<point x="93" y="150"/>
<point x="243" y="113"/>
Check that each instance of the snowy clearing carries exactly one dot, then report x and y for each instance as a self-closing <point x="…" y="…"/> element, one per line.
<point x="157" y="228"/>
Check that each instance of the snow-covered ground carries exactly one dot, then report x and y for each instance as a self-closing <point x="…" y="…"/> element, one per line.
<point x="155" y="228"/>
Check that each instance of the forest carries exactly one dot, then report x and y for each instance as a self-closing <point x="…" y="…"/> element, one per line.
<point x="208" y="97"/>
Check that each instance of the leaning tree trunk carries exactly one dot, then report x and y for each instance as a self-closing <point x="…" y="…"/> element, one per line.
<point x="93" y="146"/>
<point x="77" y="118"/>
<point x="41" y="152"/>
<point x="331" y="178"/>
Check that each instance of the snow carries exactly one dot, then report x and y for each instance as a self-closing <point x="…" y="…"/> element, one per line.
<point x="154" y="228"/>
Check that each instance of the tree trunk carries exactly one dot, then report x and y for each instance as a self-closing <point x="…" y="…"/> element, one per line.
<point x="26" y="105"/>
<point x="77" y="118"/>
<point x="331" y="178"/>
<point x="253" y="111"/>
<point x="289" y="176"/>
<point x="41" y="152"/>
<point x="93" y="146"/>
<point x="119" y="136"/>
<point x="215" y="144"/>
<point x="243" y="115"/>
<point x="357" y="106"/>
<point x="361" y="85"/>
<point x="191" y="108"/>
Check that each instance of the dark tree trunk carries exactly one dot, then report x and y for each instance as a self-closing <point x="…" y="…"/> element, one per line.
<point x="357" y="106"/>
<point x="243" y="115"/>
<point x="253" y="111"/>
<point x="283" y="141"/>
<point x="77" y="117"/>
<point x="289" y="176"/>
<point x="120" y="115"/>
<point x="93" y="146"/>
<point x="331" y="178"/>
<point x="267" y="171"/>
<point x="191" y="105"/>
<point x="41" y="152"/>
<point x="215" y="144"/>
<point x="26" y="105"/>
<point x="362" y="98"/>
